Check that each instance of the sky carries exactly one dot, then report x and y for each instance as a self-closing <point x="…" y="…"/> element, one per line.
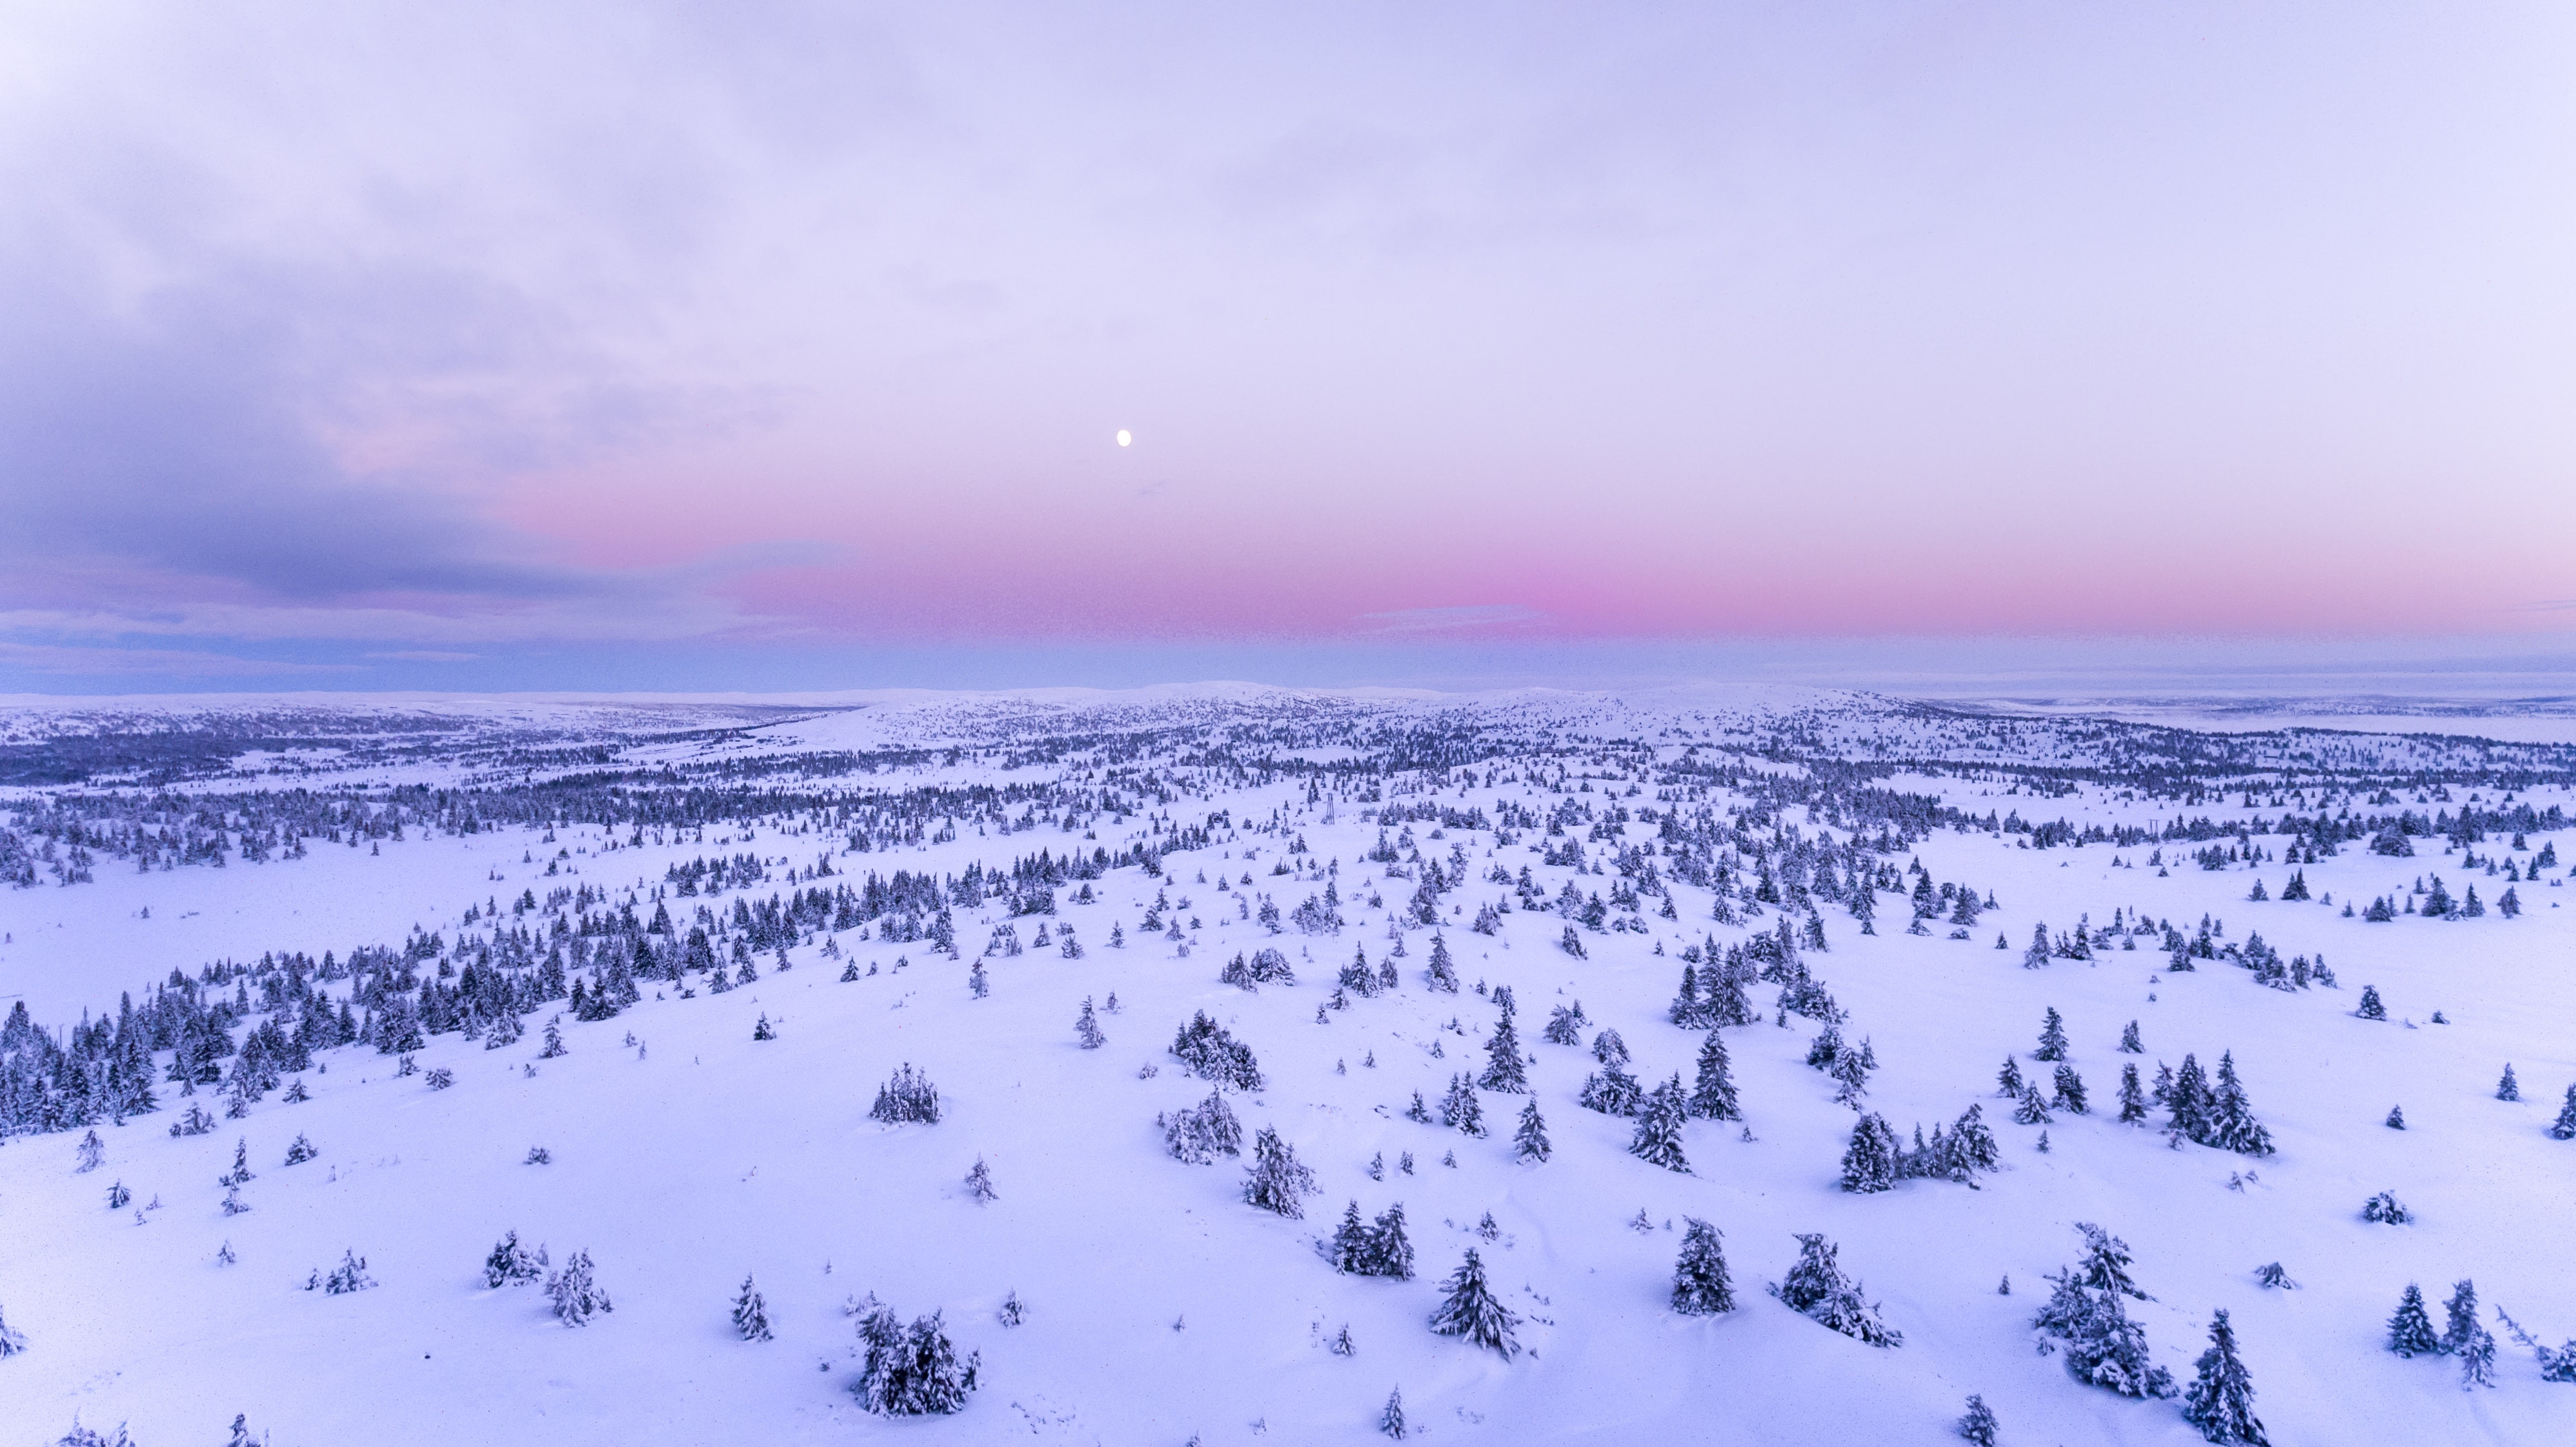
<point x="707" y="346"/>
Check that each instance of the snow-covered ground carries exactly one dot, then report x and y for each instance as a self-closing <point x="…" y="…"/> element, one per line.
<point x="1160" y="1307"/>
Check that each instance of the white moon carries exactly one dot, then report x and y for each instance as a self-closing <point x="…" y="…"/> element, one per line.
<point x="1125" y="437"/>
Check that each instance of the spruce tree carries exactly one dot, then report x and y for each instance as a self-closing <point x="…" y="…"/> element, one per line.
<point x="2507" y="1088"/>
<point x="1816" y="1287"/>
<point x="1869" y="1162"/>
<point x="2232" y="1125"/>
<point x="1389" y="1251"/>
<point x="2371" y="1009"/>
<point x="1086" y="1028"/>
<point x="2460" y="1314"/>
<point x="2008" y="1082"/>
<point x="1391" y="1420"/>
<point x="1460" y="1109"/>
<point x="1978" y="1425"/>
<point x="575" y="1291"/>
<point x="1700" y="1285"/>
<point x="2564" y="1128"/>
<point x="1713" y="1093"/>
<point x="2189" y="1101"/>
<point x="2070" y="1090"/>
<point x="1469" y="1309"/>
<point x="1441" y="975"/>
<point x="2031" y="1109"/>
<point x="2129" y="1042"/>
<point x="1348" y="1250"/>
<point x="1276" y="1181"/>
<point x="1658" y="1141"/>
<point x="2220" y="1400"/>
<point x="2410" y="1327"/>
<point x="750" y="1314"/>
<point x="1503" y="1068"/>
<point x="2052" y="1037"/>
<point x="1529" y="1142"/>
<point x="2133" y="1097"/>
<point x="11" y="1342"/>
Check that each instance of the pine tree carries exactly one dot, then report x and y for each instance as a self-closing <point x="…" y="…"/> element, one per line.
<point x="1086" y="1028"/>
<point x="2564" y="1128"/>
<point x="1658" y="1141"/>
<point x="2031" y="1109"/>
<point x="1276" y="1181"/>
<point x="979" y="1183"/>
<point x="1869" y="1163"/>
<point x="2220" y="1400"/>
<point x="2037" y="955"/>
<point x="575" y="1291"/>
<point x="750" y="1314"/>
<point x="2396" y="1117"/>
<point x="1470" y="1309"/>
<point x="1391" y="1420"/>
<point x="1816" y="1287"/>
<point x="11" y="1342"/>
<point x="1503" y="1069"/>
<point x="2008" y="1083"/>
<point x="2052" y="1037"/>
<point x="1460" y="1109"/>
<point x="1700" y="1285"/>
<point x="1441" y="975"/>
<point x="2410" y="1328"/>
<point x="2129" y="1042"/>
<point x="2477" y="1350"/>
<point x="2460" y="1314"/>
<point x="2133" y="1097"/>
<point x="1713" y="1093"/>
<point x="1390" y="1250"/>
<point x="1529" y="1142"/>
<point x="907" y="1096"/>
<point x="1978" y="1425"/>
<point x="1348" y="1250"/>
<point x="2189" y="1101"/>
<point x="2508" y="1088"/>
<point x="2371" y="1009"/>
<point x="2070" y="1090"/>
<point x="511" y="1264"/>
<point x="2231" y="1119"/>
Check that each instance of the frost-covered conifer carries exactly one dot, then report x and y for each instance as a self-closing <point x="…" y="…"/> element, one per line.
<point x="2070" y="1091"/>
<point x="2508" y="1088"/>
<point x="2477" y="1350"/>
<point x="906" y="1097"/>
<point x="1442" y="975"/>
<point x="2410" y="1327"/>
<point x="2133" y="1097"/>
<point x="2031" y="1109"/>
<point x="2220" y="1401"/>
<point x="1460" y="1110"/>
<point x="1201" y="1133"/>
<point x="2459" y="1314"/>
<point x="510" y="1263"/>
<point x="1276" y="1181"/>
<point x="912" y="1373"/>
<point x="2129" y="1042"/>
<point x="1564" y="1025"/>
<point x="1348" y="1248"/>
<point x="2564" y="1128"/>
<point x="1087" y="1029"/>
<point x="2008" y="1082"/>
<point x="1713" y="1092"/>
<point x="1388" y="1250"/>
<point x="554" y="1040"/>
<point x="979" y="1183"/>
<point x="1503" y="1070"/>
<point x="91" y="1152"/>
<point x="750" y="1313"/>
<point x="575" y="1291"/>
<point x="1700" y="1284"/>
<point x="1391" y="1420"/>
<point x="1611" y="1091"/>
<point x="2370" y="1008"/>
<point x="1529" y="1142"/>
<point x="1869" y="1162"/>
<point x="1609" y="1049"/>
<point x="1978" y="1423"/>
<point x="2189" y="1100"/>
<point x="11" y="1342"/>
<point x="1469" y="1309"/>
<point x="350" y="1275"/>
<point x="2396" y="1117"/>
<point x="1816" y="1287"/>
<point x="2036" y="956"/>
<point x="1658" y="1141"/>
<point x="2386" y="1210"/>
<point x="2052" y="1037"/>
<point x="2232" y="1125"/>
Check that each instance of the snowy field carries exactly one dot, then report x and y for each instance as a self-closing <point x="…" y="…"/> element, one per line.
<point x="205" y="897"/>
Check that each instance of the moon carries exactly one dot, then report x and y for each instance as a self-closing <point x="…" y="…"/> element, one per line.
<point x="1125" y="437"/>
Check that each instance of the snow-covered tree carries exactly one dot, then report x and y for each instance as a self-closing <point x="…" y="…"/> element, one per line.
<point x="1816" y="1287"/>
<point x="2220" y="1400"/>
<point x="2052" y="1037"/>
<point x="1700" y="1284"/>
<point x="2410" y="1327"/>
<point x="1199" y="1134"/>
<point x="511" y="1263"/>
<point x="575" y="1291"/>
<point x="1713" y="1092"/>
<point x="1869" y="1162"/>
<point x="750" y="1313"/>
<point x="907" y="1096"/>
<point x="1086" y="1028"/>
<point x="1469" y="1309"/>
<point x="1460" y="1110"/>
<point x="1276" y="1181"/>
<point x="1978" y="1423"/>
<point x="979" y="1183"/>
<point x="1658" y="1141"/>
<point x="1529" y="1142"/>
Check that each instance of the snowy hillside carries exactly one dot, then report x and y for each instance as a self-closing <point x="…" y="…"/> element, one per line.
<point x="632" y="982"/>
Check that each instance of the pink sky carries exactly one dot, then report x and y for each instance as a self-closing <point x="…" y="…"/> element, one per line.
<point x="348" y="333"/>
